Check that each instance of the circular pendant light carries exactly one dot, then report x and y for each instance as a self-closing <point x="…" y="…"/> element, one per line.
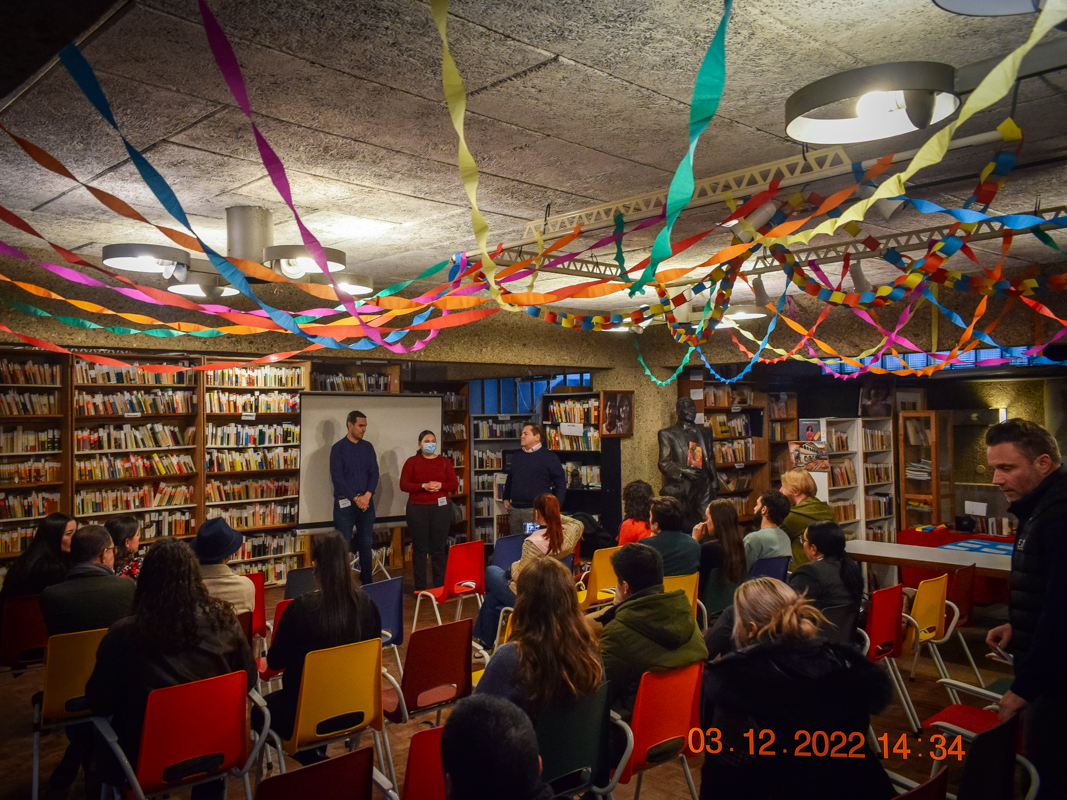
<point x="151" y="258"/>
<point x="993" y="8"/>
<point x="201" y="285"/>
<point x="294" y="262"/>
<point x="871" y="103"/>
<point x="356" y="285"/>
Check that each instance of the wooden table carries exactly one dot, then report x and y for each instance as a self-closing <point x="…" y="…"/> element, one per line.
<point x="910" y="555"/>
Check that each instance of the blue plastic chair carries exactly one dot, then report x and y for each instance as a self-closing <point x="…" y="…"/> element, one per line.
<point x="508" y="550"/>
<point x="388" y="596"/>
<point x="568" y="562"/>
<point x="777" y="567"/>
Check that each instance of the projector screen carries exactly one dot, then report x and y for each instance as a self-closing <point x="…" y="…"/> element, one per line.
<point x="394" y="422"/>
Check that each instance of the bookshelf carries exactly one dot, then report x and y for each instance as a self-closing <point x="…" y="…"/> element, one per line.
<point x="456" y="445"/>
<point x="927" y="495"/>
<point x="493" y="438"/>
<point x="879" y="479"/>
<point x="784" y="428"/>
<point x="359" y="377"/>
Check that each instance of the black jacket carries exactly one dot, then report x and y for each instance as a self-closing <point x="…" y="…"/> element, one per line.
<point x="91" y="597"/>
<point x="1038" y="612"/>
<point x="786" y="687"/>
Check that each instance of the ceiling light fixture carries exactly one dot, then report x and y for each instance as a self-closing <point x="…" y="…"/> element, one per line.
<point x="871" y="103"/>
<point x="201" y="285"/>
<point x="294" y="262"/>
<point x="993" y="8"/>
<point x="743" y="312"/>
<point x="356" y="284"/>
<point x="151" y="258"/>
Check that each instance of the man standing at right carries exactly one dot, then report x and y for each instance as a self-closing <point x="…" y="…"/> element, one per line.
<point x="1026" y="466"/>
<point x="535" y="470"/>
<point x="354" y="472"/>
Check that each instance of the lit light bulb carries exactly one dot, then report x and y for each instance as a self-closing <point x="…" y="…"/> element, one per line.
<point x="875" y="104"/>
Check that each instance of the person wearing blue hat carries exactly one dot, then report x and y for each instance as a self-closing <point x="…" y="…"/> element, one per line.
<point x="214" y="544"/>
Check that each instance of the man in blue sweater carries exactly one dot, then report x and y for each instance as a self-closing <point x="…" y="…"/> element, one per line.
<point x="535" y="470"/>
<point x="354" y="472"/>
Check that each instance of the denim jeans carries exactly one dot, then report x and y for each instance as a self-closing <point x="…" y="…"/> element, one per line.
<point x="347" y="519"/>
<point x="498" y="595"/>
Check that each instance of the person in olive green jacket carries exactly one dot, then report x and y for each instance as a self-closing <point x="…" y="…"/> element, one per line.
<point x="799" y="487"/>
<point x="646" y="629"/>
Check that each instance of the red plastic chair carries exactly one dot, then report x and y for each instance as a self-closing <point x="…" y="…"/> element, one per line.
<point x="244" y="619"/>
<point x="24" y="636"/>
<point x="259" y="611"/>
<point x="934" y="789"/>
<point x="464" y="576"/>
<point x="425" y="777"/>
<point x="885" y="619"/>
<point x="437" y="672"/>
<point x="181" y="745"/>
<point x="961" y="594"/>
<point x="266" y="674"/>
<point x="664" y="712"/>
<point x="349" y="777"/>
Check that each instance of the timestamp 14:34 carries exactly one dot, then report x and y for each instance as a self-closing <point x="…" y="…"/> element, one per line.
<point x="821" y="744"/>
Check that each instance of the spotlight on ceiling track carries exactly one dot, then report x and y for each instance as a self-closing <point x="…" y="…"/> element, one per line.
<point x="871" y="103"/>
<point x="993" y="8"/>
<point x="151" y="258"/>
<point x="294" y="262"/>
<point x="200" y="285"/>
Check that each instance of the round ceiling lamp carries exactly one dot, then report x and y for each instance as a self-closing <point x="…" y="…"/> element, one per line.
<point x="871" y="103"/>
<point x="200" y="285"/>
<point x="743" y="312"/>
<point x="993" y="8"/>
<point x="294" y="262"/>
<point x="356" y="285"/>
<point x="151" y="258"/>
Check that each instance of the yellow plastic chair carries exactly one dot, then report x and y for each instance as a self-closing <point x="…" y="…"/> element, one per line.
<point x="599" y="581"/>
<point x="691" y="584"/>
<point x="477" y="674"/>
<point x="927" y="623"/>
<point x="69" y="661"/>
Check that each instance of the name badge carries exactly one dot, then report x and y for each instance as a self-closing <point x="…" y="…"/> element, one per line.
<point x="442" y="501"/>
<point x="344" y="503"/>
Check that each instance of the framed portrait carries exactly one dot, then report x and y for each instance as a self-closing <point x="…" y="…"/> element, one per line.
<point x="617" y="414"/>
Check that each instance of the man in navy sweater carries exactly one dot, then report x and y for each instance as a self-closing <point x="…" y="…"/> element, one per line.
<point x="535" y="470"/>
<point x="354" y="472"/>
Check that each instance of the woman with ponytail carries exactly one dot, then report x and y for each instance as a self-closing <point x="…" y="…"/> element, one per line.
<point x="556" y="538"/>
<point x="830" y="579"/>
<point x="809" y="693"/>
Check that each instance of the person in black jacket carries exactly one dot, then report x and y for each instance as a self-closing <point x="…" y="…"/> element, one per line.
<point x="535" y="470"/>
<point x="338" y="613"/>
<point x="45" y="561"/>
<point x="788" y="687"/>
<point x="830" y="579"/>
<point x="1026" y="466"/>
<point x="92" y="596"/>
<point x="177" y="635"/>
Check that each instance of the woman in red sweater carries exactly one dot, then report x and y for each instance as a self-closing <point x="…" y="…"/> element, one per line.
<point x="428" y="479"/>
<point x="637" y="506"/>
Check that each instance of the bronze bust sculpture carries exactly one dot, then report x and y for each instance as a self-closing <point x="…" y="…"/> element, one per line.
<point x="687" y="461"/>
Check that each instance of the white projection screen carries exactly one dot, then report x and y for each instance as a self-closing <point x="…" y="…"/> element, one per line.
<point x="394" y="422"/>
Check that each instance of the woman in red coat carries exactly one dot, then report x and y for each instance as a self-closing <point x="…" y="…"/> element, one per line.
<point x="428" y="479"/>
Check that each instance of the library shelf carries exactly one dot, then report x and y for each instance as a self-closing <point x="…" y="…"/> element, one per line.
<point x="155" y="539"/>
<point x="497" y="439"/>
<point x="254" y="414"/>
<point x="842" y="488"/>
<point x="190" y="387"/>
<point x="880" y="483"/>
<point x="167" y="447"/>
<point x="878" y="519"/>
<point x="248" y="446"/>
<point x="831" y="453"/>
<point x="136" y="479"/>
<point x="264" y="558"/>
<point x="865" y="452"/>
<point x="489" y="469"/>
<point x="249" y="472"/>
<point x="738" y="464"/>
<point x="5" y="520"/>
<point x="12" y="555"/>
<point x="255" y="500"/>
<point x="132" y="510"/>
<point x="262" y="528"/>
<point x="5" y="487"/>
<point x="211" y="387"/>
<point x="83" y="418"/>
<point x="846" y="521"/>
<point x="30" y="386"/>
<point x="22" y="417"/>
<point x="735" y="409"/>
<point x="36" y="453"/>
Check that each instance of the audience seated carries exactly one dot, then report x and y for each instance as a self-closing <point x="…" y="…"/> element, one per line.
<point x="214" y="544"/>
<point x="830" y="579"/>
<point x="45" y="561"/>
<point x="92" y="596"/>
<point x="722" y="555"/>
<point x="636" y="507"/>
<point x="489" y="752"/>
<point x="784" y="680"/>
<point x="126" y="534"/>
<point x="646" y="629"/>
<point x="338" y="613"/>
<point x="552" y="655"/>
<point x="799" y="489"/>
<point x="556" y="538"/>
<point x="768" y="540"/>
<point x="677" y="547"/>
<point x="177" y="634"/>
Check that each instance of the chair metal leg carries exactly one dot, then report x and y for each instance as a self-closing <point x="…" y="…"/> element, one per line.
<point x="902" y="692"/>
<point x="248" y="786"/>
<point x="36" y="755"/>
<point x="386" y="762"/>
<point x="459" y="608"/>
<point x="279" y="748"/>
<point x="415" y="621"/>
<point x="399" y="665"/>
<point x="689" y="777"/>
<point x="637" y="789"/>
<point x="970" y="658"/>
<point x="915" y="660"/>
<point x="436" y="610"/>
<point x="942" y="670"/>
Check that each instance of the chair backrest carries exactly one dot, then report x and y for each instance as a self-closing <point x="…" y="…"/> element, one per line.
<point x="961" y="592"/>
<point x="68" y="664"/>
<point x="437" y="667"/>
<point x="989" y="770"/>
<point x="687" y="582"/>
<point x="298" y="582"/>
<point x="259" y="611"/>
<point x="347" y="777"/>
<point x="777" y="567"/>
<point x="24" y="635"/>
<point x="244" y="619"/>
<point x="840" y="623"/>
<point x="466" y="562"/>
<point x="572" y="738"/>
<point x="340" y="692"/>
<point x="928" y="608"/>
<point x="278" y="611"/>
<point x="719" y="592"/>
<point x="884" y="622"/>
<point x="424" y="778"/>
<point x="568" y="562"/>
<point x="180" y="742"/>
<point x="934" y="789"/>
<point x="508" y="550"/>
<point x="388" y="596"/>
<point x="665" y="711"/>
<point x="601" y="575"/>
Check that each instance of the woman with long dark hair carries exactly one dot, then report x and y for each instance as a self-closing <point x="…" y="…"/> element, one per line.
<point x="45" y="561"/>
<point x="830" y="579"/>
<point x="722" y="555"/>
<point x="552" y="655"/>
<point x="636" y="508"/>
<point x="338" y="613"/>
<point x="177" y="634"/>
<point x="429" y="481"/>
<point x="126" y="535"/>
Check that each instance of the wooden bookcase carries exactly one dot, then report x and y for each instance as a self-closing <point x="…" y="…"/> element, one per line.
<point x="493" y="438"/>
<point x="784" y="428"/>
<point x="879" y="479"/>
<point x="456" y="445"/>
<point x="927" y="495"/>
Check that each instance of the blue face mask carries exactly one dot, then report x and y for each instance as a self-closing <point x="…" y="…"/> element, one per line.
<point x="429" y="448"/>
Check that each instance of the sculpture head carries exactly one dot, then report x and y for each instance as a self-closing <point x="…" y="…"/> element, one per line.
<point x="687" y="411"/>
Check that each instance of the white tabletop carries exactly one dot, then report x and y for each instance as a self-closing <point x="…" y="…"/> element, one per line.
<point x="912" y="555"/>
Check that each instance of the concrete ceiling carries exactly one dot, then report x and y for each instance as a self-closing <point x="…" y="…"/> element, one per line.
<point x="571" y="103"/>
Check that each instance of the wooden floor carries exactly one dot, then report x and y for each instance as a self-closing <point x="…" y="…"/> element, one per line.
<point x="668" y="781"/>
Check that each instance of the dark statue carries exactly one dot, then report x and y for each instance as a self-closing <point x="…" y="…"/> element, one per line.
<point x="687" y="461"/>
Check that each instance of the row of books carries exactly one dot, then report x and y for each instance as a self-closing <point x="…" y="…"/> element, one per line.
<point x="264" y="489"/>
<point x="256" y="403"/>
<point x="724" y="396"/>
<point x="35" y="504"/>
<point x="837" y="441"/>
<point x="844" y="510"/>
<point x="112" y="404"/>
<point x="23" y="404"/>
<point x="16" y="440"/>
<point x="133" y="465"/>
<point x="257" y="515"/>
<point x="921" y="470"/>
<point x="878" y="505"/>
<point x="783" y="431"/>
<point x="483" y="507"/>
<point x="453" y="401"/>
<point x="132" y="498"/>
<point x="267" y="376"/>
<point x="588" y="441"/>
<point x="740" y="504"/>
<point x="275" y="571"/>
<point x="723" y="426"/>
<point x="492" y="429"/>
<point x="360" y="382"/>
<point x="454" y="432"/>
<point x="155" y="524"/>
<point x="734" y="482"/>
<point x="842" y="473"/>
<point x="484" y="482"/>
<point x="35" y="471"/>
<point x="32" y="372"/>
<point x="458" y="457"/>
<point x="874" y="439"/>
<point x="916" y="432"/>
<point x="16" y="540"/>
<point x="85" y="372"/>
<point x="271" y="544"/>
<point x="735" y="451"/>
<point x="878" y="532"/>
<point x="484" y="531"/>
<point x="487" y="459"/>
<point x="586" y="412"/>
<point x="131" y="437"/>
<point x="582" y="475"/>
<point x="248" y="460"/>
<point x="995" y="526"/>
<point x="235" y="435"/>
<point x="877" y="473"/>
